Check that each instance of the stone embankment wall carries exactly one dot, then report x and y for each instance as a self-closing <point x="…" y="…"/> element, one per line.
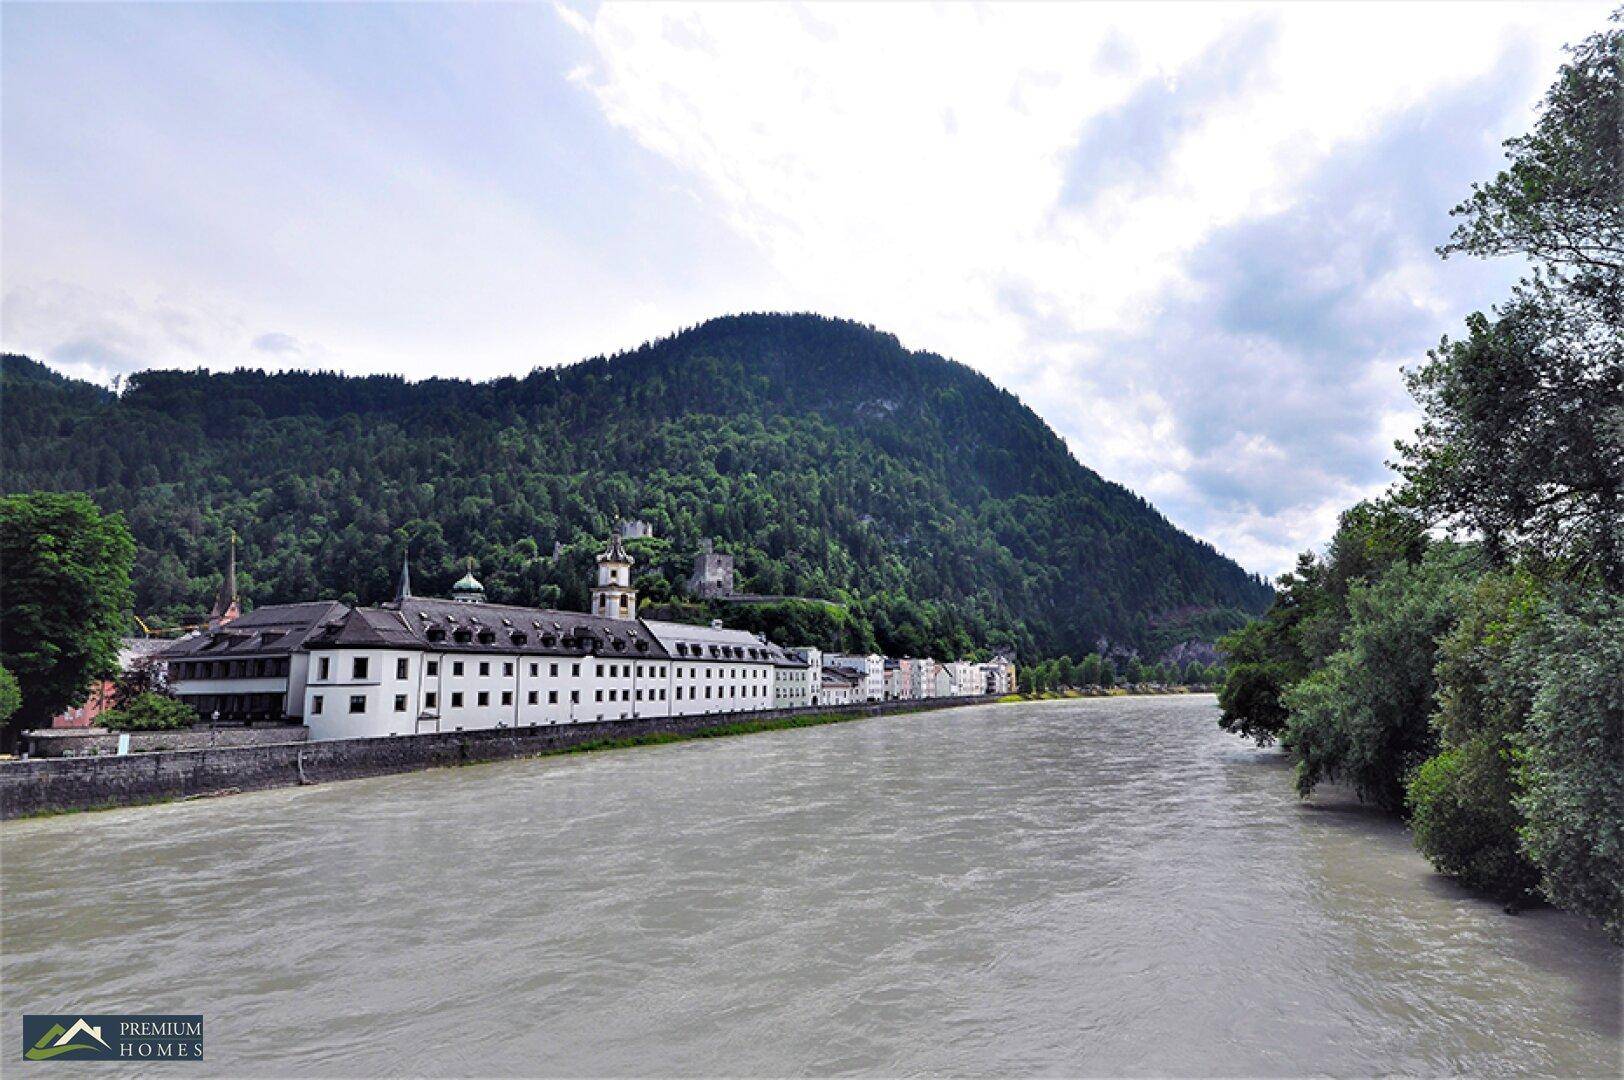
<point x="89" y="742"/>
<point x="47" y="785"/>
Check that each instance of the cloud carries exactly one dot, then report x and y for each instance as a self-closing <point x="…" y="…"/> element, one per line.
<point x="1135" y="141"/>
<point x="279" y="344"/>
<point x="1196" y="239"/>
<point x="1199" y="244"/>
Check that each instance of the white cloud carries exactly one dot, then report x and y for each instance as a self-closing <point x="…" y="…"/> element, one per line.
<point x="1196" y="239"/>
<point x="907" y="165"/>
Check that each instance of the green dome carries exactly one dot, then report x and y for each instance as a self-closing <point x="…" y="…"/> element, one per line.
<point x="469" y="583"/>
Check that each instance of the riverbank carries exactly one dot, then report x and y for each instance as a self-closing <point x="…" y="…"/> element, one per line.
<point x="67" y="785"/>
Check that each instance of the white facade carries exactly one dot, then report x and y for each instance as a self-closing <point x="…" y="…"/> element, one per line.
<point x="1000" y="675"/>
<point x="421" y="665"/>
<point x="364" y="693"/>
<point x="841" y="686"/>
<point x="870" y="669"/>
<point x="922" y="678"/>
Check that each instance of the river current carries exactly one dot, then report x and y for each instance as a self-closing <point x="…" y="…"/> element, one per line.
<point x="1097" y="887"/>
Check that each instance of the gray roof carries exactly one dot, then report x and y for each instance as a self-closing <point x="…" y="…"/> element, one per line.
<point x="453" y="626"/>
<point x="273" y="630"/>
<point x="684" y="641"/>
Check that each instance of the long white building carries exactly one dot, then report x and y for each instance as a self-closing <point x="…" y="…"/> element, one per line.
<point x="432" y="665"/>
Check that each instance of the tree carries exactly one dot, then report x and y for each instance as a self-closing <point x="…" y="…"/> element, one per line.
<point x="1465" y="822"/>
<point x="1363" y="716"/>
<point x="1558" y="201"/>
<point x="1462" y="802"/>
<point x="1572" y="763"/>
<point x="67" y="600"/>
<point x="149" y="712"/>
<point x="1522" y="437"/>
<point x="10" y="696"/>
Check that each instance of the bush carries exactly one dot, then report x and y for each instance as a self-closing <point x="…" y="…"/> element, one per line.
<point x="149" y="712"/>
<point x="1465" y="823"/>
<point x="1572" y="768"/>
<point x="1362" y="717"/>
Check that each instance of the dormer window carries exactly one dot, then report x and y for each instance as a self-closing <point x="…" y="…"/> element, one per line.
<point x="462" y="635"/>
<point x="518" y="637"/>
<point x="435" y="633"/>
<point x="548" y="640"/>
<point x="486" y="637"/>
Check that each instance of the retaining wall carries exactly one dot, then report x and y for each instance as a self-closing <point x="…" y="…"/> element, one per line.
<point x="44" y="785"/>
<point x="88" y="742"/>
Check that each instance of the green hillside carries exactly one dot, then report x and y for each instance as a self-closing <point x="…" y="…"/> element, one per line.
<point x="830" y="460"/>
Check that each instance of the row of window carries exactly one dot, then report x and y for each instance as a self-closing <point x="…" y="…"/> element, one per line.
<point x="263" y="668"/>
<point x="482" y="698"/>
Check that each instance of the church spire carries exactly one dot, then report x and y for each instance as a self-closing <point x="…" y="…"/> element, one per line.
<point x="226" y="605"/>
<point x="403" y="591"/>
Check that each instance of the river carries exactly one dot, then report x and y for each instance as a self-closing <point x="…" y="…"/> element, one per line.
<point x="1080" y="887"/>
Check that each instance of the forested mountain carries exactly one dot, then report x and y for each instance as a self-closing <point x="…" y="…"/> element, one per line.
<point x="830" y="460"/>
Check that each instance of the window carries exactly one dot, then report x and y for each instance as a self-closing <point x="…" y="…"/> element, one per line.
<point x="612" y="696"/>
<point x="400" y="667"/>
<point x="535" y="669"/>
<point x="456" y="668"/>
<point x="552" y="670"/>
<point x="575" y="697"/>
<point x="507" y="697"/>
<point x="484" y="697"/>
<point x="507" y="670"/>
<point x="640" y="695"/>
<point x="552" y="697"/>
<point x="433" y="670"/>
<point x="400" y="702"/>
<point x="358" y="703"/>
<point x="456" y="699"/>
<point x="484" y="667"/>
<point x="599" y="696"/>
<point x="358" y="670"/>
<point x="315" y="705"/>
<point x="575" y="671"/>
<point x="323" y="667"/>
<point x="533" y="696"/>
<point x="430" y="700"/>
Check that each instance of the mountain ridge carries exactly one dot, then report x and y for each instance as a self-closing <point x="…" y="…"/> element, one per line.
<point x="832" y="461"/>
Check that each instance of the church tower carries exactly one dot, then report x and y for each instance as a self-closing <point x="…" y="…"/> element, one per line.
<point x="613" y="597"/>
<point x="227" y="606"/>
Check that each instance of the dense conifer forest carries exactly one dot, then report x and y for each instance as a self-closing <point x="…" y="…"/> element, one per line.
<point x="938" y="510"/>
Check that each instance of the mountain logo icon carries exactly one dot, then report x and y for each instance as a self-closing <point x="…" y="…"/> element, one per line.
<point x="59" y="1040"/>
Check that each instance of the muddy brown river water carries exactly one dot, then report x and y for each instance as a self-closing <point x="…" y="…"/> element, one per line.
<point x="1098" y="887"/>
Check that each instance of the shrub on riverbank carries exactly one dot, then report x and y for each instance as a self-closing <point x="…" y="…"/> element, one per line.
<point x="1572" y="766"/>
<point x="1466" y="823"/>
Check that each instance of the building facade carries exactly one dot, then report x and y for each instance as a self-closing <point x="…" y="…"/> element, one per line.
<point x="869" y="669"/>
<point x="420" y="664"/>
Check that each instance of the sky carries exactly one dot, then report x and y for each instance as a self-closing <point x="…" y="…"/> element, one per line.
<point x="1197" y="240"/>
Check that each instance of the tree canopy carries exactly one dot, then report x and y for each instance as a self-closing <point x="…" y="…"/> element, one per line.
<point x="935" y="508"/>
<point x="66" y="600"/>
